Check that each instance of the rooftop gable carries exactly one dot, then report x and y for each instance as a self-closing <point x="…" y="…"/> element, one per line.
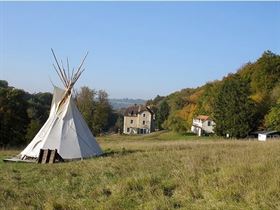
<point x="136" y="109"/>
<point x="203" y="117"/>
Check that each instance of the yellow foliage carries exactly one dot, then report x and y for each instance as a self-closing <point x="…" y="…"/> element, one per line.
<point x="257" y="97"/>
<point x="187" y="112"/>
<point x="196" y="95"/>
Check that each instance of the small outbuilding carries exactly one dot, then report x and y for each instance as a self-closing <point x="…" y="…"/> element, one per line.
<point x="266" y="135"/>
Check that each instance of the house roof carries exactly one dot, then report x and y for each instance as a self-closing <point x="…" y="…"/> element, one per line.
<point x="136" y="109"/>
<point x="269" y="132"/>
<point x="203" y="117"/>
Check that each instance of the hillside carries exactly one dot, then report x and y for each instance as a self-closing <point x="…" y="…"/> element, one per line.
<point x="262" y="78"/>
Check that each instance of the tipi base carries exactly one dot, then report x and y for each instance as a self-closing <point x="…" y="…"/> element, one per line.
<point x="18" y="160"/>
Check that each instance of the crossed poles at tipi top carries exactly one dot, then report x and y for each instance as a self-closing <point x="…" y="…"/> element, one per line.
<point x="67" y="80"/>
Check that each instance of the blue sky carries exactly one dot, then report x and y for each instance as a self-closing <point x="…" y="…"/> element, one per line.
<point x="136" y="49"/>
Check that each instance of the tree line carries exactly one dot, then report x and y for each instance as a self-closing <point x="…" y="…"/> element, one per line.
<point x="240" y="103"/>
<point x="23" y="114"/>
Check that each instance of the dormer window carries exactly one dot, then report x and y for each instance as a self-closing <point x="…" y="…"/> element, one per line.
<point x="144" y="115"/>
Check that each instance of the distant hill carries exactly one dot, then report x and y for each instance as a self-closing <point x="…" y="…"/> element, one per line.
<point x="125" y="102"/>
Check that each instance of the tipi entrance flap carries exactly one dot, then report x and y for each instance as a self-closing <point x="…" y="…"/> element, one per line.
<point x="53" y="135"/>
<point x="69" y="145"/>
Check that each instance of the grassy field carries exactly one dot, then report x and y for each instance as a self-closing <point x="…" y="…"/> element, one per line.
<point x="158" y="171"/>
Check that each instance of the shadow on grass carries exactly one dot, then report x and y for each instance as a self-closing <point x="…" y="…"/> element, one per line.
<point x="117" y="153"/>
<point x="106" y="153"/>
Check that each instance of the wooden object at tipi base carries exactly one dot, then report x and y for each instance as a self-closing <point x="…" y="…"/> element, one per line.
<point x="49" y="156"/>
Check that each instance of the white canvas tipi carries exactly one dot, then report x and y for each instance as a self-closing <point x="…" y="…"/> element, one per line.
<point x="65" y="129"/>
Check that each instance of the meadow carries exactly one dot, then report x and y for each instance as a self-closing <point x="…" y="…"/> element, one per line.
<point x="159" y="171"/>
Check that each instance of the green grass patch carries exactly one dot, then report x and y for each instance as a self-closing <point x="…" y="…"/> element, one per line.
<point x="160" y="136"/>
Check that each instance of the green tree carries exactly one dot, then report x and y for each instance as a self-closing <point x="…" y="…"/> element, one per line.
<point x="32" y="129"/>
<point x="275" y="93"/>
<point x="176" y="123"/>
<point x="102" y="113"/>
<point x="206" y="100"/>
<point x="39" y="105"/>
<point x="96" y="109"/>
<point x="272" y="119"/>
<point x="3" y="84"/>
<point x="266" y="72"/>
<point x="13" y="116"/>
<point x="85" y="99"/>
<point x="162" y="114"/>
<point x="234" y="111"/>
<point x="118" y="126"/>
<point x="155" y="101"/>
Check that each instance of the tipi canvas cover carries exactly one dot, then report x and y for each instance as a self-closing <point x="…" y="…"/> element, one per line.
<point x="65" y="129"/>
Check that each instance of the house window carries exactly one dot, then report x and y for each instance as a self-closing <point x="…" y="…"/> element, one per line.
<point x="131" y="121"/>
<point x="143" y="122"/>
<point x="144" y="115"/>
<point x="209" y="123"/>
<point x="127" y="130"/>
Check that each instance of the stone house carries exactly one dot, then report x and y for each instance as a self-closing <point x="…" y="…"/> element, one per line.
<point x="138" y="119"/>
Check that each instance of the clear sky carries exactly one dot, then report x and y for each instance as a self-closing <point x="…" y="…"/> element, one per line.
<point x="136" y="49"/>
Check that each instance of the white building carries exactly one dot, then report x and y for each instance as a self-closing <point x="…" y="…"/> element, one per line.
<point x="138" y="119"/>
<point x="202" y="124"/>
<point x="263" y="136"/>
